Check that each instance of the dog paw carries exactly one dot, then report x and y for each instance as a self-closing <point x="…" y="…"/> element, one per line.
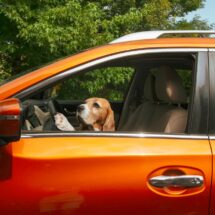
<point x="62" y="123"/>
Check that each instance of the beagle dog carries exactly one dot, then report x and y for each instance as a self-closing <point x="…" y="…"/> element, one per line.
<point x="95" y="114"/>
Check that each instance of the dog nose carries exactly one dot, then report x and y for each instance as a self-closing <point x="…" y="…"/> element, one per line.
<point x="80" y="108"/>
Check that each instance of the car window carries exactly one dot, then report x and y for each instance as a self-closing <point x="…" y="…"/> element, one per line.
<point x="146" y="93"/>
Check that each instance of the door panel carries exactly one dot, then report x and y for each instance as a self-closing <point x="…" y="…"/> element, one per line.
<point x="103" y="175"/>
<point x="212" y="122"/>
<point x="212" y="211"/>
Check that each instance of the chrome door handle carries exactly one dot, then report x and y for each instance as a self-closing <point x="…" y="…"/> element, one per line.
<point x="188" y="181"/>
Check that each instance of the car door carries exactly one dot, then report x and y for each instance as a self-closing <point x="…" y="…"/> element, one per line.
<point x="112" y="173"/>
<point x="104" y="175"/>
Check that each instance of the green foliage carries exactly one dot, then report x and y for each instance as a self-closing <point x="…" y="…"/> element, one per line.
<point x="110" y="83"/>
<point x="34" y="32"/>
<point x="186" y="77"/>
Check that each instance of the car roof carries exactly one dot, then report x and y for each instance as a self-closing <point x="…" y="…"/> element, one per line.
<point x="9" y="89"/>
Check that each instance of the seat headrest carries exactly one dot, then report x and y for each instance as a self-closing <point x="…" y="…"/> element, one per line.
<point x="168" y="86"/>
<point x="149" y="88"/>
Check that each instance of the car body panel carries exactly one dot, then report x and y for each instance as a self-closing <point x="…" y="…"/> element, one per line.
<point x="212" y="124"/>
<point x="43" y="73"/>
<point x="212" y="204"/>
<point x="102" y="175"/>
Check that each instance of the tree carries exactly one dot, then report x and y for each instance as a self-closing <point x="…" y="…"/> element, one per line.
<point x="35" y="32"/>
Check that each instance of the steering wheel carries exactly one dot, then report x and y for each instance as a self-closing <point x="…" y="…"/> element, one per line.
<point x="53" y="108"/>
<point x="30" y="119"/>
<point x="51" y="104"/>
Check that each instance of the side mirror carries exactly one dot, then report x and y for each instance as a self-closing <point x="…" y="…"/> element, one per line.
<point x="10" y="120"/>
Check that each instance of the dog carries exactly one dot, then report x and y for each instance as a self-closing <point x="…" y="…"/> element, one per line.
<point x="95" y="114"/>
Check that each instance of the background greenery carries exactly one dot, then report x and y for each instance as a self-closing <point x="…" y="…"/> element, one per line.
<point x="34" y="32"/>
<point x="110" y="83"/>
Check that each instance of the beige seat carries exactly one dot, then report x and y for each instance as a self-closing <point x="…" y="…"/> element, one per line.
<point x="169" y="116"/>
<point x="143" y="112"/>
<point x="166" y="115"/>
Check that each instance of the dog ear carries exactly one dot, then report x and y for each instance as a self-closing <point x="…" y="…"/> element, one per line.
<point x="109" y="124"/>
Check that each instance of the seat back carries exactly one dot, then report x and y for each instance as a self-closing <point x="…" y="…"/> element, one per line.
<point x="169" y="116"/>
<point x="143" y="112"/>
<point x="165" y="115"/>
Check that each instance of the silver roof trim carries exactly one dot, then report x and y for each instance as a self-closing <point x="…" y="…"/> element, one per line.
<point x="113" y="135"/>
<point x="156" y="34"/>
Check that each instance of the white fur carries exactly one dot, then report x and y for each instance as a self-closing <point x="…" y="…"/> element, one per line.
<point x="62" y="123"/>
<point x="97" y="129"/>
<point x="84" y="114"/>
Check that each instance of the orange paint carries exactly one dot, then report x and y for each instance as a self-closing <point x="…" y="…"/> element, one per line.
<point x="10" y="123"/>
<point x="212" y="208"/>
<point x="77" y="175"/>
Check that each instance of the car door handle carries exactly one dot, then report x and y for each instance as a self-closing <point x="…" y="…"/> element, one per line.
<point x="188" y="181"/>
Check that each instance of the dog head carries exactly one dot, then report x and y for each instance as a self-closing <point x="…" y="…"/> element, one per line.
<point x="97" y="113"/>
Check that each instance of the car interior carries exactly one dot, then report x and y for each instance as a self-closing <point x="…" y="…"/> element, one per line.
<point x="155" y="98"/>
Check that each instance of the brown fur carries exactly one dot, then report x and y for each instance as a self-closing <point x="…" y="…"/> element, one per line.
<point x="98" y="114"/>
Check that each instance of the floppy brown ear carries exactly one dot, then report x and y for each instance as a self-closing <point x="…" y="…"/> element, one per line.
<point x="109" y="124"/>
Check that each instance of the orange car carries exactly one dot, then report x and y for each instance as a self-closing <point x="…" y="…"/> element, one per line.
<point x="158" y="161"/>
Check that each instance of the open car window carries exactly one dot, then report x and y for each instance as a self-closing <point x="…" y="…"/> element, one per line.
<point x="110" y="83"/>
<point x="147" y="93"/>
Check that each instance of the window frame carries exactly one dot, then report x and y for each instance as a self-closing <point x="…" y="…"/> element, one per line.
<point x="199" y="129"/>
<point x="212" y="93"/>
<point x="199" y="122"/>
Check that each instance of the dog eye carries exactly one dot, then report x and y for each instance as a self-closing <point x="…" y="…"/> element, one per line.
<point x="96" y="105"/>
